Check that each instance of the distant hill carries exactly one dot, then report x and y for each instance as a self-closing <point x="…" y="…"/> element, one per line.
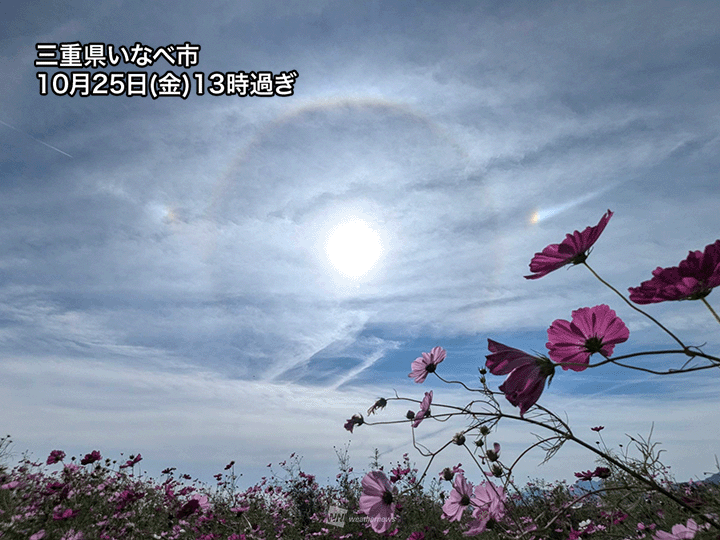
<point x="581" y="487"/>
<point x="714" y="479"/>
<point x="584" y="486"/>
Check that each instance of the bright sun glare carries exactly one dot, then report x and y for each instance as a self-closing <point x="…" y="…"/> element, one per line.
<point x="353" y="248"/>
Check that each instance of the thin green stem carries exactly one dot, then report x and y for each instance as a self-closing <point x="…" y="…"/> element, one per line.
<point x="653" y="319"/>
<point x="711" y="309"/>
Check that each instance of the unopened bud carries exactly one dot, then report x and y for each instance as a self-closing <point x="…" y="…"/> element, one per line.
<point x="459" y="439"/>
<point x="497" y="471"/>
<point x="410" y="415"/>
<point x="484" y="430"/>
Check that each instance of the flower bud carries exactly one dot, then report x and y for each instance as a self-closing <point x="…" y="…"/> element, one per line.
<point x="484" y="430"/>
<point x="497" y="471"/>
<point x="447" y="474"/>
<point x="410" y="415"/>
<point x="494" y="453"/>
<point x="379" y="404"/>
<point x="459" y="439"/>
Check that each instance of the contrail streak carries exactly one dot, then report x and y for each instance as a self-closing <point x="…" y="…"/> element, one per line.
<point x="541" y="215"/>
<point x="34" y="139"/>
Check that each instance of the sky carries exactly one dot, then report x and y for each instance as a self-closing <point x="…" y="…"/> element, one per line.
<point x="166" y="286"/>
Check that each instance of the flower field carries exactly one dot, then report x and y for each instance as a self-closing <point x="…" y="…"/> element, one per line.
<point x="99" y="499"/>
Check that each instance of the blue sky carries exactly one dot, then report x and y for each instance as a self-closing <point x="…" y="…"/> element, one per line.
<point x="164" y="281"/>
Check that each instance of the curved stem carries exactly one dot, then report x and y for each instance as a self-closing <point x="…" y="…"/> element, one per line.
<point x="711" y="309"/>
<point x="653" y="319"/>
<point x="457" y="382"/>
<point x="670" y="372"/>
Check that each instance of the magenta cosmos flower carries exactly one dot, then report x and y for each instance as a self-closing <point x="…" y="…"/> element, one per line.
<point x="572" y="250"/>
<point x="693" y="279"/>
<point x="92" y="457"/>
<point x="55" y="457"/>
<point x="592" y="330"/>
<point x="459" y="498"/>
<point x="527" y="374"/>
<point x="424" y="411"/>
<point x="427" y="363"/>
<point x="377" y="501"/>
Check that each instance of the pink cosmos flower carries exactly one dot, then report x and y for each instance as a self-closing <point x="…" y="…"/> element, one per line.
<point x="489" y="505"/>
<point x="592" y="330"/>
<point x="679" y="532"/>
<point x="572" y="250"/>
<point x="459" y="498"/>
<point x="424" y="411"/>
<point x="377" y="501"/>
<point x="490" y="498"/>
<point x="527" y="374"/>
<point x="426" y="363"/>
<point x="693" y="279"/>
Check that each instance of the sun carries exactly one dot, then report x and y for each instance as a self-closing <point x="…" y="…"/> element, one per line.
<point x="353" y="248"/>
